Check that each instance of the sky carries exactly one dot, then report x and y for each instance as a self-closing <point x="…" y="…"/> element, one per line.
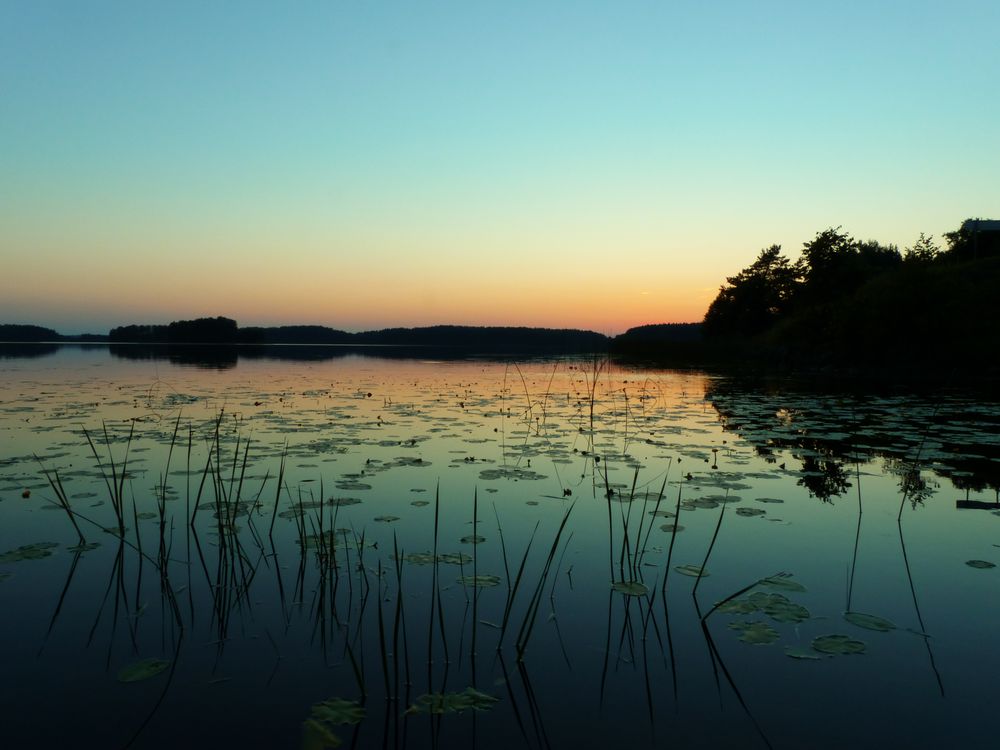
<point x="360" y="165"/>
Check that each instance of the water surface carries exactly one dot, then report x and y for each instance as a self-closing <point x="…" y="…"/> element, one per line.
<point x="854" y="515"/>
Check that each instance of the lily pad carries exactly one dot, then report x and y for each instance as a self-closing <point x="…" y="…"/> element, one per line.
<point x="351" y="484"/>
<point x="454" y="558"/>
<point x="755" y="632"/>
<point x="447" y="703"/>
<point x="784" y="583"/>
<point x="472" y="539"/>
<point x="797" y="652"/>
<point x="779" y="607"/>
<point x="317" y="732"/>
<point x="749" y="512"/>
<point x="510" y="472"/>
<point x="386" y="519"/>
<point x="737" y="607"/>
<point x="694" y="571"/>
<point x="84" y="547"/>
<point x="343" y="501"/>
<point x="838" y="644"/>
<point x="337" y="711"/>
<point x="482" y="581"/>
<point x="28" y="552"/>
<point x="630" y="588"/>
<point x="315" y="736"/>
<point x="427" y="558"/>
<point x="981" y="564"/>
<point x="869" y="622"/>
<point x="671" y="528"/>
<point x="142" y="670"/>
<point x="701" y="502"/>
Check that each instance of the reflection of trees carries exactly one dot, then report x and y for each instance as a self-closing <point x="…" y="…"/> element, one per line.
<point x="828" y="434"/>
<point x="973" y="483"/>
<point x="824" y="478"/>
<point x="26" y="351"/>
<point x="202" y="357"/>
<point x="911" y="481"/>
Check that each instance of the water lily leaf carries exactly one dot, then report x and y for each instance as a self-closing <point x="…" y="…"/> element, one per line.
<point x="838" y="644"/>
<point x="779" y="607"/>
<point x="386" y="519"/>
<point x="142" y="670"/>
<point x="784" y="583"/>
<point x="28" y="552"/>
<point x="755" y="632"/>
<point x="691" y="570"/>
<point x="483" y="581"/>
<point x="351" y="484"/>
<point x="472" y="539"/>
<point x="335" y="539"/>
<point x="408" y="461"/>
<point x="737" y="607"/>
<point x="797" y="652"/>
<point x="342" y="501"/>
<point x="316" y="730"/>
<point x="981" y="564"/>
<point x="869" y="622"/>
<point x="701" y="502"/>
<point x="446" y="703"/>
<point x="630" y="588"/>
<point x="671" y="527"/>
<point x="455" y="558"/>
<point x="315" y="736"/>
<point x="84" y="547"/>
<point x="427" y="558"/>
<point x="510" y="472"/>
<point x="338" y="711"/>
<point x="767" y="500"/>
<point x="419" y="503"/>
<point x="749" y="512"/>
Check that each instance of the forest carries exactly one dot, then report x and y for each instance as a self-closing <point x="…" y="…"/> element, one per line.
<point x="849" y="302"/>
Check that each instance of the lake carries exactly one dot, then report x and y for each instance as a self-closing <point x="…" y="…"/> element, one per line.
<point x="311" y="548"/>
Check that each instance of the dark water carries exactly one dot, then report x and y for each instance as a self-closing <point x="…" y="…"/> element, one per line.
<point x="819" y="504"/>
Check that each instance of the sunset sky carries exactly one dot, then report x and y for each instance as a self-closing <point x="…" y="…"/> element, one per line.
<point x="368" y="164"/>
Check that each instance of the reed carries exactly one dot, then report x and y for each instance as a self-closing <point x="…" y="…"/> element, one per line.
<point x="57" y="487"/>
<point x="711" y="544"/>
<point x="277" y="494"/>
<point x="475" y="572"/>
<point x="115" y="481"/>
<point x="670" y="550"/>
<point x="528" y="623"/>
<point x="512" y="590"/>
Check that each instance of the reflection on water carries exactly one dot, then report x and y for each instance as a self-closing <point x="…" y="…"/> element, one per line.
<point x="413" y="553"/>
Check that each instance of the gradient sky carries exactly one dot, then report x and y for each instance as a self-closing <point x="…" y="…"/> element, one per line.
<point x="365" y="164"/>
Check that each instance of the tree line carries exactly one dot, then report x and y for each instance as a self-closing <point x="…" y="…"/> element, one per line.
<point x="861" y="300"/>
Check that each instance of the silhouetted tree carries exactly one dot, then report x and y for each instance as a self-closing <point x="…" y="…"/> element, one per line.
<point x="18" y="332"/>
<point x="975" y="239"/>
<point x="833" y="264"/>
<point x="923" y="250"/>
<point x="204" y="331"/>
<point x="755" y="298"/>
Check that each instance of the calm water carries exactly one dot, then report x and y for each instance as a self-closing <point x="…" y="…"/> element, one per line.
<point x="832" y="514"/>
